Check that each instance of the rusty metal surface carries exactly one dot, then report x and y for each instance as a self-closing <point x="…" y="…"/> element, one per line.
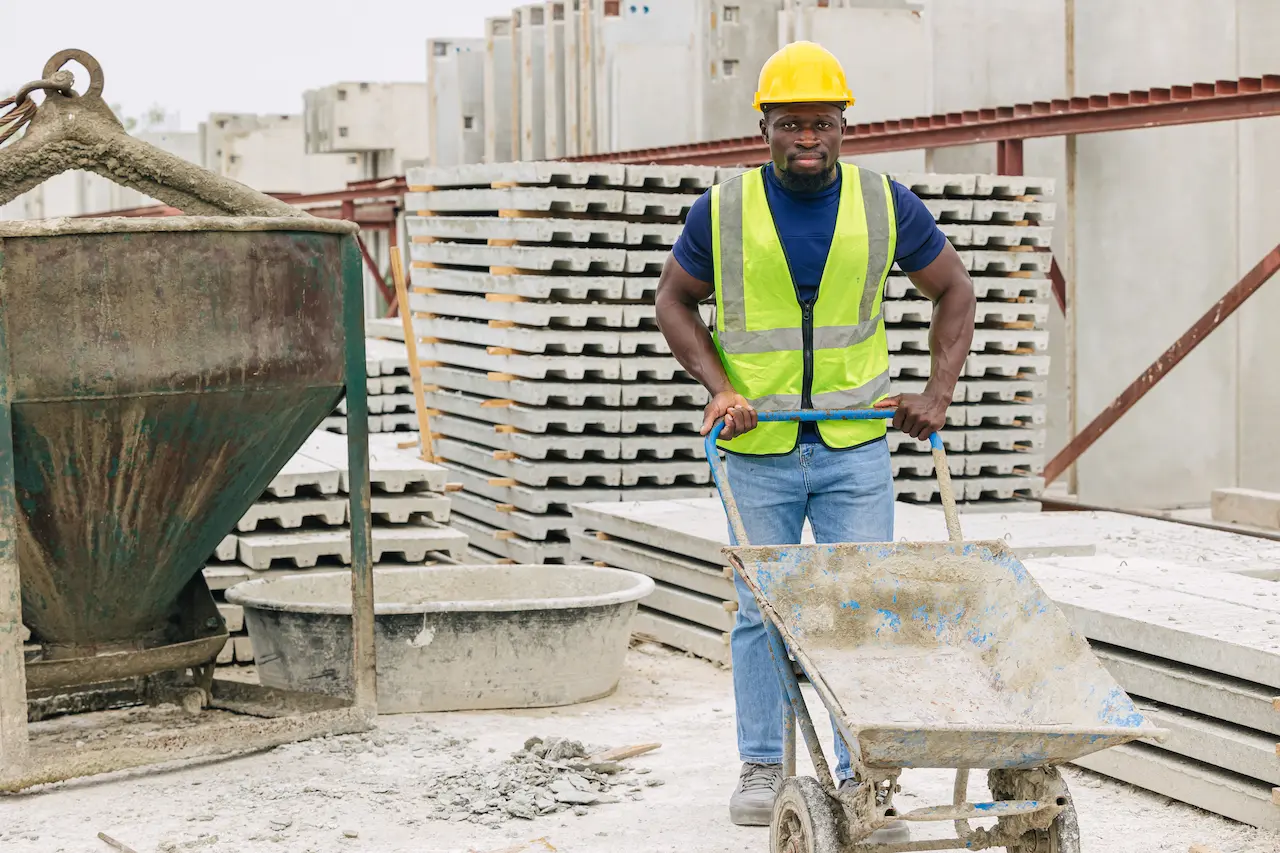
<point x="159" y="380"/>
<point x="1169" y="359"/>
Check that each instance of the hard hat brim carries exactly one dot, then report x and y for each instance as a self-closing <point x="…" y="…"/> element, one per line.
<point x="843" y="103"/>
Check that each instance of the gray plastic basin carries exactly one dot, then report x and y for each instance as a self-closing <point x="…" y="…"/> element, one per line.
<point x="450" y="638"/>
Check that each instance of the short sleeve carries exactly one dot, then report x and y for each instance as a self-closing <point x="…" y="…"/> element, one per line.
<point x="920" y="240"/>
<point x="693" y="251"/>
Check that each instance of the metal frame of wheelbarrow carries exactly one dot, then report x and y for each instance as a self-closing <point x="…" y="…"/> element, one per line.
<point x="1029" y="802"/>
<point x="268" y="717"/>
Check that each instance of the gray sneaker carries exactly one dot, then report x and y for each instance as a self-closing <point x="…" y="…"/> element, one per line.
<point x="752" y="801"/>
<point x="893" y="833"/>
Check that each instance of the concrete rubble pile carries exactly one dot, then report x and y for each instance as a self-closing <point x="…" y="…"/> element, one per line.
<point x="549" y="383"/>
<point x="1187" y="620"/>
<point x="302" y="523"/>
<point x="545" y="777"/>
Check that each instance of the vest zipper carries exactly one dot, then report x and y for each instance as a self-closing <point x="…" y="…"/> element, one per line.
<point x="806" y="326"/>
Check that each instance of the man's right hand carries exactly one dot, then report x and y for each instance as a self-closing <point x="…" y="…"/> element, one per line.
<point x="738" y="415"/>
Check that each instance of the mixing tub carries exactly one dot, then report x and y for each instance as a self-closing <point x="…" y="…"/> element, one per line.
<point x="451" y="638"/>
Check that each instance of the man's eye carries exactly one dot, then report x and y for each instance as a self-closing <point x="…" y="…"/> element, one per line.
<point x="824" y="125"/>
<point x="789" y="125"/>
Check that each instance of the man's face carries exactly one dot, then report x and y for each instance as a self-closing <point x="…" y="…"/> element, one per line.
<point x="804" y="140"/>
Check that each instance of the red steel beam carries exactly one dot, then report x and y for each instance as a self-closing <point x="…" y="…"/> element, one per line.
<point x="1225" y="100"/>
<point x="1214" y="317"/>
<point x="387" y="293"/>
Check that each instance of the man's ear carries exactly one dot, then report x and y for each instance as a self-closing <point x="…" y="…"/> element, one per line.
<point x="764" y="128"/>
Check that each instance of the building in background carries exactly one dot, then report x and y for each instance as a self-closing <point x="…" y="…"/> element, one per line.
<point x="269" y="153"/>
<point x="455" y="101"/>
<point x="384" y="124"/>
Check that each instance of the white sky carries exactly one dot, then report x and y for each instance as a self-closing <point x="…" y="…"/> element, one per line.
<point x="254" y="56"/>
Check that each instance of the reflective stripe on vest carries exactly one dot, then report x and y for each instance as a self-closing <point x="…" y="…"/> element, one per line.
<point x="759" y="326"/>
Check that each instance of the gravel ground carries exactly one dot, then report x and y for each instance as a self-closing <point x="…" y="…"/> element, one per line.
<point x="398" y="789"/>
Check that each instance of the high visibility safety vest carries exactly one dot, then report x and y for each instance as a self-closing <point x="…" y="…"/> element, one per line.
<point x="783" y="355"/>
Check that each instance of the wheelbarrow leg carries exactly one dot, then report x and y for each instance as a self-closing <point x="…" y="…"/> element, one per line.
<point x="798" y="714"/>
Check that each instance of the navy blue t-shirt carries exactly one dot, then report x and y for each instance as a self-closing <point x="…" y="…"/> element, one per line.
<point x="806" y="224"/>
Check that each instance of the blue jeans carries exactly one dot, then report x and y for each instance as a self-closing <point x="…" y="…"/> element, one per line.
<point x="847" y="495"/>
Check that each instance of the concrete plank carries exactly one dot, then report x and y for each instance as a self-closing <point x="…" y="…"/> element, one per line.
<point x="666" y="493"/>
<point x="1246" y="506"/>
<point x="687" y="178"/>
<point x="992" y="262"/>
<point x="651" y="368"/>
<point x="555" y="367"/>
<point x="666" y="473"/>
<point x="1002" y="464"/>
<point x="921" y="465"/>
<point x="525" y="312"/>
<point x="535" y="526"/>
<point x="985" y="287"/>
<point x="1190" y="782"/>
<point x="539" y="258"/>
<point x="292" y="512"/>
<point x="531" y="199"/>
<point x="952" y="441"/>
<point x="400" y="422"/>
<point x="997" y="341"/>
<point x="390" y="469"/>
<point x="524" y="551"/>
<point x="530" y="472"/>
<point x="1211" y="620"/>
<point x="705" y="578"/>
<point x="986" y="313"/>
<point x="533" y="446"/>
<point x="533" y="419"/>
<point x="678" y="634"/>
<point x="646" y="261"/>
<point x="1002" y="488"/>
<point x="661" y="447"/>
<point x="1002" y="414"/>
<point x="527" y="286"/>
<point x="233" y="615"/>
<point x="1012" y="186"/>
<point x="1229" y="700"/>
<point x="527" y="230"/>
<point x="690" y="606"/>
<point x="243" y="648"/>
<point x="550" y="172"/>
<point x="1008" y="212"/>
<point x="640" y="288"/>
<point x="983" y="439"/>
<point x="525" y="339"/>
<point x="529" y="499"/>
<point x="226" y="550"/>
<point x="930" y="185"/>
<point x="643" y="314"/>
<point x="402" y="508"/>
<point x="302" y="549"/>
<point x="310" y="475"/>
<point x="415" y="540"/>
<point x="1213" y="742"/>
<point x="671" y="205"/>
<point x="915" y="311"/>
<point x="922" y="490"/>
<point x="950" y="209"/>
<point x="653" y="233"/>
<point x="1009" y="366"/>
<point x="226" y="576"/>
<point x="1039" y="236"/>
<point x="391" y="357"/>
<point x="526" y="391"/>
<point x="664" y="394"/>
<point x="661" y="420"/>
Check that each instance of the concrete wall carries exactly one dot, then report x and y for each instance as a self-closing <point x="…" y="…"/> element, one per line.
<point x="569" y="85"/>
<point x="455" y="105"/>
<point x="740" y="37"/>
<point x="272" y="158"/>
<point x="553" y="78"/>
<point x="532" y="77"/>
<point x="499" y="99"/>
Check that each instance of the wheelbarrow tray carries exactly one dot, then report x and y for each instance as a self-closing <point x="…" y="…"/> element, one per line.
<point x="944" y="654"/>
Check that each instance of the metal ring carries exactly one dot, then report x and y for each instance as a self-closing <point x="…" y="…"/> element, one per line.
<point x="91" y="65"/>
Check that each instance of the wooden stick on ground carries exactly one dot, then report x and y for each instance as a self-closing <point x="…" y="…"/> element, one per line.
<point x="622" y="753"/>
<point x="411" y="347"/>
<point x="115" y="845"/>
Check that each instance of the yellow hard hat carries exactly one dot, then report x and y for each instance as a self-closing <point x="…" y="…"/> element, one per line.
<point x="801" y="73"/>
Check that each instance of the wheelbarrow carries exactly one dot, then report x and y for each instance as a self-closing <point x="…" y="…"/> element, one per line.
<point x="927" y="655"/>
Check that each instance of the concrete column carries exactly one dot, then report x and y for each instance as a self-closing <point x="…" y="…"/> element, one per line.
<point x="498" y="97"/>
<point x="533" y="75"/>
<point x="553" y="83"/>
<point x="572" y="128"/>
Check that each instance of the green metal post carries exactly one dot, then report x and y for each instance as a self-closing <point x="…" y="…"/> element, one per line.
<point x="13" y="676"/>
<point x="364" y="663"/>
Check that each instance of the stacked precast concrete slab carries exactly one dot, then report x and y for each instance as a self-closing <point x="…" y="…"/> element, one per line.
<point x="533" y="287"/>
<point x="390" y="392"/>
<point x="547" y="379"/>
<point x="1184" y="619"/>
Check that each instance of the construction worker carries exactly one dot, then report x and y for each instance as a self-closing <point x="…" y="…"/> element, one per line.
<point x="796" y="253"/>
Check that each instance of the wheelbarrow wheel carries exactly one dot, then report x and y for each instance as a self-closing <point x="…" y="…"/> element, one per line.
<point x="1063" y="835"/>
<point x="804" y="819"/>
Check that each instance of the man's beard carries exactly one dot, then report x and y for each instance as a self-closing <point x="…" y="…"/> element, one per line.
<point x="799" y="182"/>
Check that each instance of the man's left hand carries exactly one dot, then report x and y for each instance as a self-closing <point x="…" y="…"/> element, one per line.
<point x="918" y="415"/>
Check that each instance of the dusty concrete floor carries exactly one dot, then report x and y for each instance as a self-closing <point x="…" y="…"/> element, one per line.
<point x="374" y="785"/>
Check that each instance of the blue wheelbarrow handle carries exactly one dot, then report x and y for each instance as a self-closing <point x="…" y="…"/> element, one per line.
<point x="720" y="474"/>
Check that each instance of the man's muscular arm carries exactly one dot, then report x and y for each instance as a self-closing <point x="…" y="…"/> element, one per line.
<point x="677" y="311"/>
<point x="947" y="284"/>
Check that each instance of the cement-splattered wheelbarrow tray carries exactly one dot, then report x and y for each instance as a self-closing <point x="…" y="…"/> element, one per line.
<point x="933" y="654"/>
